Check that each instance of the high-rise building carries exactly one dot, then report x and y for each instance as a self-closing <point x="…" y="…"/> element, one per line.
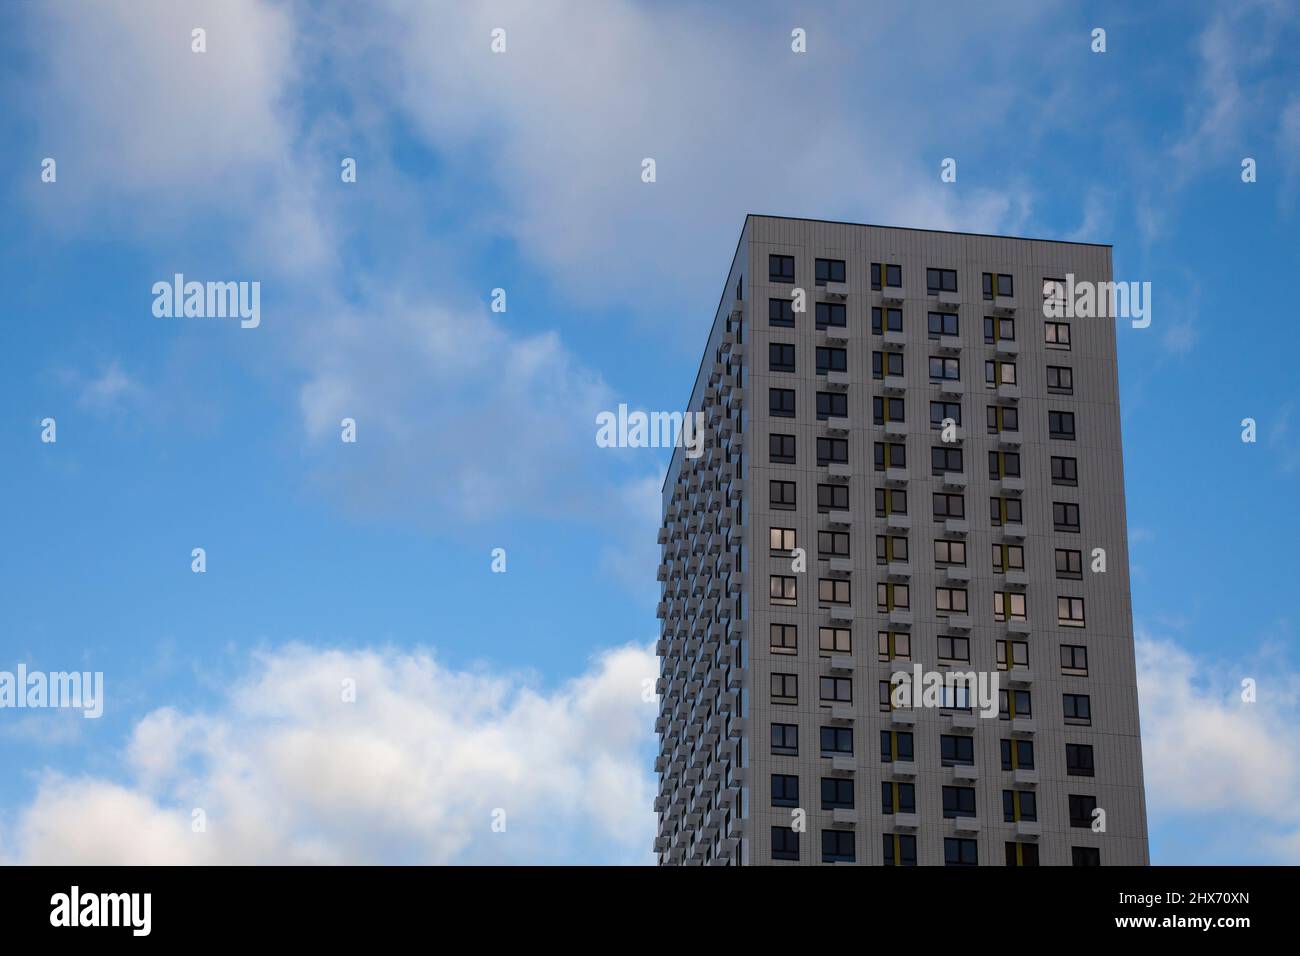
<point x="909" y="466"/>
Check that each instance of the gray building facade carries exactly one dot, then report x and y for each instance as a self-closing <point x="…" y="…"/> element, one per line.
<point x="909" y="466"/>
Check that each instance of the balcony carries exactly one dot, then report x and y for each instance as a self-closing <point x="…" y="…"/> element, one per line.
<point x="963" y="720"/>
<point x="844" y="764"/>
<point x="953" y="479"/>
<point x="842" y="663"/>
<point x="956" y="526"/>
<point x="892" y="293"/>
<point x="1018" y="626"/>
<point x="839" y="425"/>
<point x="1020" y="677"/>
<point x="1014" y="529"/>
<point x="894" y="339"/>
<point x="835" y="290"/>
<point x="842" y="713"/>
<point x="837" y="380"/>
<point x="843" y="817"/>
<point x="949" y="344"/>
<point x="1028" y="829"/>
<point x="840" y="565"/>
<point x="1023" y="726"/>
<point x="1017" y="579"/>
<point x="1026" y="778"/>
<point x="902" y="717"/>
<point x="901" y="768"/>
<point x="966" y="824"/>
<point x="896" y="428"/>
<point x="1010" y="393"/>
<point x="1012" y="483"/>
<point x="898" y="569"/>
<point x="906" y="821"/>
<point x="839" y="469"/>
<point x="950" y="386"/>
<point x="957" y="622"/>
<point x="964" y="773"/>
<point x="900" y="618"/>
<point x="949" y="299"/>
<point x="896" y="476"/>
<point x="956" y="573"/>
<point x="898" y="521"/>
<point x="1008" y="348"/>
<point x="838" y="334"/>
<point x="1004" y="305"/>
<point x="840" y="614"/>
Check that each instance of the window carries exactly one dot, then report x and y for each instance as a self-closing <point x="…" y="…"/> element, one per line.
<point x="1074" y="660"/>
<point x="1004" y="464"/>
<point x="997" y="372"/>
<point x="1019" y="805"/>
<point x="1004" y="511"/>
<point x="958" y="802"/>
<point x="1056" y="335"/>
<point x="780" y="269"/>
<point x="890" y="501"/>
<point x="832" y="591"/>
<point x="785" y="740"/>
<point x="832" y="498"/>
<point x="829" y="270"/>
<point x="837" y="846"/>
<point x="1008" y="557"/>
<point x="1022" y="854"/>
<point x="892" y="597"/>
<point x="949" y="552"/>
<point x="835" y="640"/>
<point x="832" y="360"/>
<point x="1008" y="606"/>
<point x="832" y="405"/>
<point x="999" y="330"/>
<point x="894" y="645"/>
<point x="941" y="410"/>
<point x="831" y="314"/>
<point x="885" y="700"/>
<point x="886" y="363"/>
<point x="893" y="276"/>
<point x="890" y="547"/>
<point x="1060" y="379"/>
<point x="950" y="601"/>
<point x="1081" y="808"/>
<point x="955" y="751"/>
<point x="785" y="638"/>
<point x="1077" y="708"/>
<point x="1085" y="856"/>
<point x="896" y="745"/>
<point x="899" y="849"/>
<point x="780" y="495"/>
<point x="785" y="689"/>
<point x="780" y="402"/>
<point x="1065" y="471"/>
<point x="959" y="851"/>
<point x="833" y="544"/>
<point x="996" y="284"/>
<point x="948" y="506"/>
<point x="780" y="313"/>
<point x="944" y="460"/>
<point x="781" y="449"/>
<point x="780" y="357"/>
<point x="944" y="369"/>
<point x="1069" y="612"/>
<point x="837" y="793"/>
<point x="1065" y="516"/>
<point x="1053" y="296"/>
<point x="886" y="410"/>
<point x="1061" y="425"/>
<point x="886" y="320"/>
<point x="1019" y="651"/>
<point x="783" y="590"/>
<point x="785" y="844"/>
<point x="1078" y="760"/>
<point x="832" y="450"/>
<point x="1069" y="564"/>
<point x="837" y="741"/>
<point x="836" y="689"/>
<point x="1014" y="703"/>
<point x="897" y="797"/>
<point x="940" y="280"/>
<point x="1002" y="418"/>
<point x="889" y="455"/>
<point x="953" y="648"/>
<point x="1017" y="754"/>
<point x="782" y="539"/>
<point x="785" y="790"/>
<point x="941" y="323"/>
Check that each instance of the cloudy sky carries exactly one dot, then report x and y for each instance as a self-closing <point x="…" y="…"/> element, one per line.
<point x="370" y="562"/>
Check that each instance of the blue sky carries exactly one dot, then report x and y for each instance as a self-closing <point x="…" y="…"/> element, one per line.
<point x="521" y="170"/>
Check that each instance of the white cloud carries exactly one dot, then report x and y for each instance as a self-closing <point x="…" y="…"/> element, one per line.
<point x="411" y="772"/>
<point x="107" y="390"/>
<point x="1206" y="752"/>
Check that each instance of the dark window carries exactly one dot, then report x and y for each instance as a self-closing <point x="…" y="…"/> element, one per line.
<point x="781" y="449"/>
<point x="941" y="410"/>
<point x="891" y="501"/>
<point x="886" y="410"/>
<point x="1074" y="659"/>
<point x="785" y="790"/>
<point x="780" y="402"/>
<point x="956" y="751"/>
<point x="886" y="363"/>
<point x="1028" y="806"/>
<point x="780" y="312"/>
<point x="893" y="276"/>
<point x="886" y="320"/>
<point x="1081" y="808"/>
<point x="1002" y="418"/>
<point x="832" y="405"/>
<point x="1077" y="708"/>
<point x="1061" y="425"/>
<point x="780" y="269"/>
<point x="832" y="450"/>
<point x="829" y="270"/>
<point x="831" y="314"/>
<point x="906" y="849"/>
<point x="780" y="495"/>
<point x="1065" y="516"/>
<point x="942" y="323"/>
<point x="1065" y="471"/>
<point x="837" y="846"/>
<point x="999" y="330"/>
<point x="1028" y="855"/>
<point x="1085" y="856"/>
<point x="1078" y="760"/>
<point x="1069" y="564"/>
<point x="833" y="544"/>
<point x="960" y="852"/>
<point x="940" y="280"/>
<point x="837" y="740"/>
<point x="958" y="802"/>
<point x="832" y="498"/>
<point x="780" y="357"/>
<point x="785" y="844"/>
<point x="1056" y="335"/>
<point x="897" y="797"/>
<point x="1060" y="379"/>
<point x="900" y="740"/>
<point x="889" y="455"/>
<point x="945" y="369"/>
<point x="945" y="460"/>
<point x="997" y="283"/>
<point x="785" y="739"/>
<point x="1022" y="751"/>
<point x="837" y="793"/>
<point x="832" y="360"/>
<point x="948" y="506"/>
